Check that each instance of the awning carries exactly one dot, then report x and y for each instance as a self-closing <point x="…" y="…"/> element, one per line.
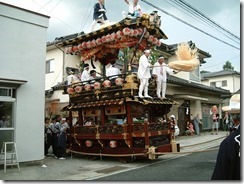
<point x="93" y="104"/>
<point x="12" y="81"/>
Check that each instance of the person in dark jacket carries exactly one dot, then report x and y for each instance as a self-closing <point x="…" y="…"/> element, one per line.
<point x="228" y="160"/>
<point x="99" y="14"/>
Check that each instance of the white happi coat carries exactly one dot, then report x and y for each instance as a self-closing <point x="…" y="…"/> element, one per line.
<point x="143" y="69"/>
<point x="162" y="71"/>
<point x="85" y="76"/>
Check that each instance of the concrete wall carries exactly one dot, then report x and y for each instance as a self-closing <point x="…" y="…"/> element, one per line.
<point x="23" y="51"/>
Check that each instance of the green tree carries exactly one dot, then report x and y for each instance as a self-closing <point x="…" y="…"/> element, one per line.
<point x="228" y="66"/>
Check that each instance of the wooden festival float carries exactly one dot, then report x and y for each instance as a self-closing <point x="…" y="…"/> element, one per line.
<point x="125" y="125"/>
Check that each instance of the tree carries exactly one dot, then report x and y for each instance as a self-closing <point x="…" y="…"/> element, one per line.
<point x="228" y="66"/>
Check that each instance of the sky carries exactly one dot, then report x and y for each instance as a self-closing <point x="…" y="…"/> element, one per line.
<point x="74" y="16"/>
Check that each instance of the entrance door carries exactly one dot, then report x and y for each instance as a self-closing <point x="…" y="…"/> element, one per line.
<point x="7" y="105"/>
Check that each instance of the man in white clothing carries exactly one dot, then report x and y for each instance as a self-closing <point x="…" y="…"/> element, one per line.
<point x="112" y="71"/>
<point x="134" y="9"/>
<point x="72" y="78"/>
<point x="144" y="74"/>
<point x="85" y="76"/>
<point x="160" y="70"/>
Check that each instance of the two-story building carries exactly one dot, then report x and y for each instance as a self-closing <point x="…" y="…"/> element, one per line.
<point x="22" y="80"/>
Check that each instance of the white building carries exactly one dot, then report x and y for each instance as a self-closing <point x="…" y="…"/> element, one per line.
<point x="226" y="79"/>
<point x="22" y="79"/>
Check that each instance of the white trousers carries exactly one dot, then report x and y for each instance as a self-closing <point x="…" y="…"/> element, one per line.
<point x="95" y="22"/>
<point x="143" y="87"/>
<point x="161" y="88"/>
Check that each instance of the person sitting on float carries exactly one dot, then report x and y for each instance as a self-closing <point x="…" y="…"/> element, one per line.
<point x="134" y="10"/>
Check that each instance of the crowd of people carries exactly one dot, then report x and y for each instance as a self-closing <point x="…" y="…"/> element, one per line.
<point x="56" y="129"/>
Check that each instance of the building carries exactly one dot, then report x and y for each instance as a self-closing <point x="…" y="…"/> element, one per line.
<point x="226" y="79"/>
<point x="22" y="80"/>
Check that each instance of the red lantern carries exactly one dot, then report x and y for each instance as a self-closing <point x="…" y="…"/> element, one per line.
<point x="70" y="91"/>
<point x="119" y="81"/>
<point x="88" y="143"/>
<point x="97" y="85"/>
<point x="87" y="87"/>
<point x="126" y="31"/>
<point x="150" y="39"/>
<point x="113" y="144"/>
<point x="107" y="84"/>
<point x="78" y="89"/>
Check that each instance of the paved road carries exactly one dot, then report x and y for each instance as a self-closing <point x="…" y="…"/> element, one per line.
<point x="82" y="168"/>
<point x="192" y="167"/>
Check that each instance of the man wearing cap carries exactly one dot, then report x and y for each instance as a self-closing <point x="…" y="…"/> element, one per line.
<point x="144" y="74"/>
<point x="160" y="70"/>
<point x="85" y="74"/>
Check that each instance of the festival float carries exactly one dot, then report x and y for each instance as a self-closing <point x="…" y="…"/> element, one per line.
<point x="124" y="124"/>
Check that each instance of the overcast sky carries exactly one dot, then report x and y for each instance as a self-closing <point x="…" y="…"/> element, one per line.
<point x="72" y="16"/>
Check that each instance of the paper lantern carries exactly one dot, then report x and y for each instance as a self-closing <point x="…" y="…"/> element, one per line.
<point x="97" y="85"/>
<point x="119" y="81"/>
<point x="113" y="144"/>
<point x="88" y="143"/>
<point x="107" y="84"/>
<point x="87" y="87"/>
<point x="70" y="90"/>
<point x="78" y="89"/>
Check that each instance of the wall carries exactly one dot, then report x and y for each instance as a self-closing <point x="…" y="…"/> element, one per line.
<point x="23" y="51"/>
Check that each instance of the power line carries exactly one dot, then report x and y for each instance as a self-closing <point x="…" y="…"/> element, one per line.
<point x="203" y="15"/>
<point x="189" y="24"/>
<point x="198" y="17"/>
<point x="74" y="29"/>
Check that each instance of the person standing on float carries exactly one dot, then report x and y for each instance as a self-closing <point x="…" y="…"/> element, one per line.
<point x="144" y="74"/>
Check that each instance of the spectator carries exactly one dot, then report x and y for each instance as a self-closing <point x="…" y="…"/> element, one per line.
<point x="215" y="125"/>
<point x="189" y="128"/>
<point x="227" y="123"/>
<point x="48" y="135"/>
<point x="62" y="139"/>
<point x="197" y="122"/>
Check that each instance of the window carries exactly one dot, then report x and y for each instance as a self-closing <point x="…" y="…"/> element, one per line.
<point x="50" y="66"/>
<point x="218" y="84"/>
<point x="224" y="83"/>
<point x="212" y="84"/>
<point x="6" y="92"/>
<point x="7" y="125"/>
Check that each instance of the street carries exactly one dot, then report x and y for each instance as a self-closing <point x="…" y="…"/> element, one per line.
<point x="192" y="167"/>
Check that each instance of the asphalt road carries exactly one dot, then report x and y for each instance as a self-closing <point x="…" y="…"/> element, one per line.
<point x="192" y="167"/>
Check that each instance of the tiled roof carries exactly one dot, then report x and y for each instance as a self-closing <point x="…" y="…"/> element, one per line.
<point x="219" y="73"/>
<point x="178" y="81"/>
